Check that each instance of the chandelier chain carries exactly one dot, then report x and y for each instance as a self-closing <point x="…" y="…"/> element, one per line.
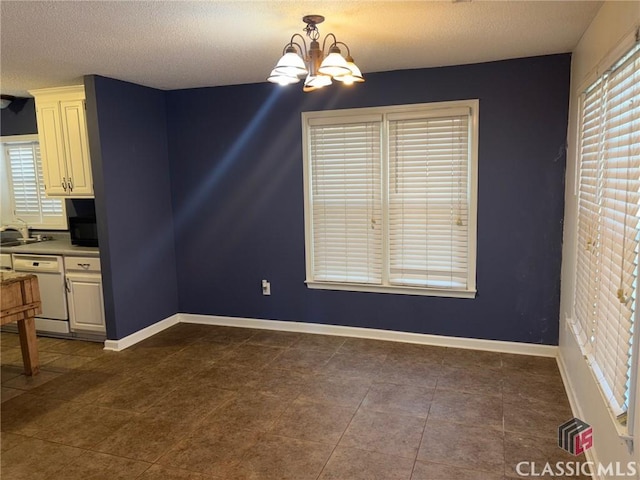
<point x="312" y="31"/>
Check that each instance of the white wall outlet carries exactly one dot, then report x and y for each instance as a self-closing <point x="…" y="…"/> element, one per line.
<point x="266" y="287"/>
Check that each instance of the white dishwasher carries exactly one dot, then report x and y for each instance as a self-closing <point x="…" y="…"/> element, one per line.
<point x="50" y="272"/>
<point x="5" y="262"/>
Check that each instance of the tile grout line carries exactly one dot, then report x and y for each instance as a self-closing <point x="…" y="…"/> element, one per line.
<point x="506" y="368"/>
<point x="347" y="428"/>
<point x="275" y="421"/>
<point x="504" y="443"/>
<point x="424" y="428"/>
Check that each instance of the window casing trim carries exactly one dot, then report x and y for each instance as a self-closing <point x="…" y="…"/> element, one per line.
<point x="9" y="217"/>
<point x="399" y="290"/>
<point x="435" y="109"/>
<point x="598" y="75"/>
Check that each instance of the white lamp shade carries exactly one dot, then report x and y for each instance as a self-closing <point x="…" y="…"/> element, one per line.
<point x="316" y="81"/>
<point x="281" y="79"/>
<point x="334" y="65"/>
<point x="355" y="75"/>
<point x="291" y="64"/>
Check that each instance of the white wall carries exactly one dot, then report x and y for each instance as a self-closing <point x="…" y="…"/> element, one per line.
<point x="614" y="21"/>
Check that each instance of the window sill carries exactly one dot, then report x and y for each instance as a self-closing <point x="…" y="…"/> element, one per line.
<point x="398" y="290"/>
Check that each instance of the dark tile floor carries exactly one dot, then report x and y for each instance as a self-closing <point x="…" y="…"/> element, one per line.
<point x="205" y="402"/>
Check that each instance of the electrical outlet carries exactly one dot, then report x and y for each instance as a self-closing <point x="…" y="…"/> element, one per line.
<point x="266" y="287"/>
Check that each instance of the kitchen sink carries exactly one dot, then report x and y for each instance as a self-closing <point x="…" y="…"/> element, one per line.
<point x="14" y="242"/>
<point x="10" y="243"/>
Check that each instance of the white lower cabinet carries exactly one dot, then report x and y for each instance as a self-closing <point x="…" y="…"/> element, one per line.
<point x="84" y="294"/>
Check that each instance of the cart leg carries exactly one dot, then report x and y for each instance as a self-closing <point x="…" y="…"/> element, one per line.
<point x="29" y="346"/>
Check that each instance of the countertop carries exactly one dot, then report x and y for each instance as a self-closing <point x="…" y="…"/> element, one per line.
<point x="58" y="246"/>
<point x="9" y="277"/>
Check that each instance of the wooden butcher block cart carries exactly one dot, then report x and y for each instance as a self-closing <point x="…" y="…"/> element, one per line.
<point x="20" y="302"/>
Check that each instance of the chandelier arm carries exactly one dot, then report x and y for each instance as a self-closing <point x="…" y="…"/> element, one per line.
<point x="345" y="46"/>
<point x="303" y="48"/>
<point x="324" y="42"/>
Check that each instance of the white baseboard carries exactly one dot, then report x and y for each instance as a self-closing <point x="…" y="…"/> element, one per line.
<point x="576" y="409"/>
<point x="372" y="333"/>
<point x="337" y="330"/>
<point x="129" y="340"/>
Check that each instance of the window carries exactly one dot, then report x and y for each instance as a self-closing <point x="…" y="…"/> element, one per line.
<point x="26" y="197"/>
<point x="390" y="198"/>
<point x="608" y="227"/>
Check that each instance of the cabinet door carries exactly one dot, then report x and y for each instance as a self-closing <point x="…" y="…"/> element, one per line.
<point x="86" y="305"/>
<point x="76" y="147"/>
<point x="52" y="148"/>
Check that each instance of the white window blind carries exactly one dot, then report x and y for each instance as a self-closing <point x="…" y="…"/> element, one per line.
<point x="428" y="201"/>
<point x="390" y="198"/>
<point x="585" y="292"/>
<point x="26" y="182"/>
<point x="608" y="226"/>
<point x="347" y="216"/>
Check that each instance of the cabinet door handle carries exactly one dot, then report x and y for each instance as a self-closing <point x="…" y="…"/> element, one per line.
<point x="66" y="285"/>
<point x="70" y="185"/>
<point x="64" y="184"/>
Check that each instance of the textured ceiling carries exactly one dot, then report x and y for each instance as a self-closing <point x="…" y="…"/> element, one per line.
<point x="185" y="44"/>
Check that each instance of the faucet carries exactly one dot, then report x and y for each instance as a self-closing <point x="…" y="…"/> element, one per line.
<point x="23" y="229"/>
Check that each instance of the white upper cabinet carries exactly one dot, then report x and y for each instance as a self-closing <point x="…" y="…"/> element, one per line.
<point x="64" y="146"/>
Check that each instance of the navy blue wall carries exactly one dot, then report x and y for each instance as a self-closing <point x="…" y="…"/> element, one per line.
<point x="128" y="141"/>
<point x="19" y="118"/>
<point x="236" y="170"/>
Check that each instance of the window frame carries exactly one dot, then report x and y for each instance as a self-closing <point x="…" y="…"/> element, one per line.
<point x="578" y="325"/>
<point x="429" y="110"/>
<point x="9" y="217"/>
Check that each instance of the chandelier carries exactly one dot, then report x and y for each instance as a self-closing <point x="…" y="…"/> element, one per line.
<point x="320" y="68"/>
